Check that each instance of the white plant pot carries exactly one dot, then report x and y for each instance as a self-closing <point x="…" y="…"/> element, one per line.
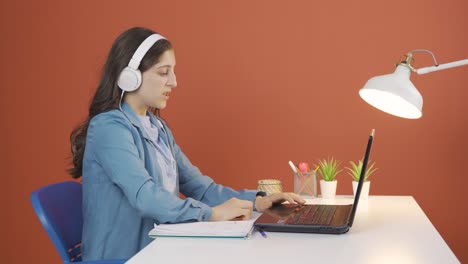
<point x="364" y="190"/>
<point x="328" y="189"/>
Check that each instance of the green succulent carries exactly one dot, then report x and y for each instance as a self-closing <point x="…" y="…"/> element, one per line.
<point x="355" y="170"/>
<point x="328" y="169"/>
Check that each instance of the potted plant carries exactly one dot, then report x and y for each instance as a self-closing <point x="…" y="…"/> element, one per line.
<point x="355" y="172"/>
<point x="328" y="170"/>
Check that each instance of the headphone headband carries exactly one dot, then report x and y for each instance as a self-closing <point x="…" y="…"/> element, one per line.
<point x="142" y="49"/>
<point x="130" y="77"/>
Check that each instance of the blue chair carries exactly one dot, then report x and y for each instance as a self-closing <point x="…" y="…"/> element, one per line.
<point x="58" y="207"/>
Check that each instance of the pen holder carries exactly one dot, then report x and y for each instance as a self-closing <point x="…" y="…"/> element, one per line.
<point x="305" y="183"/>
<point x="270" y="186"/>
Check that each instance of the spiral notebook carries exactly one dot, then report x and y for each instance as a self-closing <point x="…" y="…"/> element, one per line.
<point x="226" y="229"/>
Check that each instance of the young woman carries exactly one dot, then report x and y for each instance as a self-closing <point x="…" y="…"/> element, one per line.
<point x="132" y="168"/>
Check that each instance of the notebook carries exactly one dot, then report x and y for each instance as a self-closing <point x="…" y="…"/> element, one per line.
<point x="226" y="229"/>
<point x="323" y="218"/>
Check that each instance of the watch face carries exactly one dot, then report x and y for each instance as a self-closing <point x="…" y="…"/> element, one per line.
<point x="261" y="193"/>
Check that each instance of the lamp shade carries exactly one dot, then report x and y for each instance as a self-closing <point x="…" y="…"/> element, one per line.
<point x="394" y="94"/>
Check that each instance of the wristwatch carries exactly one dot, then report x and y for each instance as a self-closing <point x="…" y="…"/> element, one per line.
<point x="261" y="194"/>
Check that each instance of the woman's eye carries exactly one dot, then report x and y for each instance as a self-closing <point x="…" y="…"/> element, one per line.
<point x="163" y="73"/>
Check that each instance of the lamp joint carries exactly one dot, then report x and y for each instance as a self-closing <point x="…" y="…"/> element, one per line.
<point x="407" y="62"/>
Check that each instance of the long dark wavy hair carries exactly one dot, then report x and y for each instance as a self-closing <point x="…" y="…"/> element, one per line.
<point x="107" y="96"/>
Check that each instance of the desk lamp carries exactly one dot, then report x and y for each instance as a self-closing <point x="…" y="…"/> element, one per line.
<point x="395" y="94"/>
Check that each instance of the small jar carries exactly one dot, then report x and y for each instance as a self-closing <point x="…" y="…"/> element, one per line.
<point x="270" y="186"/>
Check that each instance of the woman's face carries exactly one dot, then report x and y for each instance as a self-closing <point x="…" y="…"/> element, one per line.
<point x="158" y="82"/>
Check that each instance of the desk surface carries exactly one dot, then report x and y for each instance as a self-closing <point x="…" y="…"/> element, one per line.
<point x="387" y="229"/>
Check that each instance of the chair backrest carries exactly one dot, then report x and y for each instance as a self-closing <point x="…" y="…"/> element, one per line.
<point x="58" y="207"/>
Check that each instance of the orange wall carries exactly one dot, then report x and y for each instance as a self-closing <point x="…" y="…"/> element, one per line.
<point x="260" y="83"/>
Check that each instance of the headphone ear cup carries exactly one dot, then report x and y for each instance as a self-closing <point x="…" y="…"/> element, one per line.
<point x="129" y="79"/>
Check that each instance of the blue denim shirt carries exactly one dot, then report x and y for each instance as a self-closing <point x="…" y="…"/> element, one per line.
<point x="123" y="195"/>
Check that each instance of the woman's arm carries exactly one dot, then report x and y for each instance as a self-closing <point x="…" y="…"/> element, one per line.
<point x="112" y="145"/>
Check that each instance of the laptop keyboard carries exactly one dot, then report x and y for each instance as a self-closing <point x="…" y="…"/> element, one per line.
<point x="316" y="214"/>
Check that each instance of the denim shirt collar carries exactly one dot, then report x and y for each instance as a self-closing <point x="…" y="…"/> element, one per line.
<point x="133" y="118"/>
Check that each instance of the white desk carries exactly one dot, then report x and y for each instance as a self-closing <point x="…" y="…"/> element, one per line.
<point x="387" y="229"/>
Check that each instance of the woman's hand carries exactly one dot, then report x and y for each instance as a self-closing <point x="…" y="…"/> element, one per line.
<point x="232" y="209"/>
<point x="263" y="203"/>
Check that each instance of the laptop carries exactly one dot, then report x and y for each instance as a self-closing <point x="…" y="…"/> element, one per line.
<point x="316" y="218"/>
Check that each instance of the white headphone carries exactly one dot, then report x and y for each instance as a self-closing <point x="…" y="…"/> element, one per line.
<point x="130" y="77"/>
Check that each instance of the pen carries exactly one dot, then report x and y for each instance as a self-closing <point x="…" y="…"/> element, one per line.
<point x="293" y="167"/>
<point x="316" y="168"/>
<point x="262" y="233"/>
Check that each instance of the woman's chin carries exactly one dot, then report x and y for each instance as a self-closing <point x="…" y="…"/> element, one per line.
<point x="160" y="105"/>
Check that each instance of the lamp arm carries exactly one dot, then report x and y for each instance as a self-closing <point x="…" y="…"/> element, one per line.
<point x="410" y="54"/>
<point x="442" y="66"/>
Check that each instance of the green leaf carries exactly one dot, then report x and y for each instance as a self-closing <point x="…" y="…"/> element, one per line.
<point x="355" y="170"/>
<point x="328" y="169"/>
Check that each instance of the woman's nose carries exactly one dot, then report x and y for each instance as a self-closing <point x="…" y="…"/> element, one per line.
<point x="172" y="80"/>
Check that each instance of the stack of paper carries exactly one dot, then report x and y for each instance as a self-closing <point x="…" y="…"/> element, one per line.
<point x="238" y="229"/>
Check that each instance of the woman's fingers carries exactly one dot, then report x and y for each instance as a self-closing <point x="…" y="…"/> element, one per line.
<point x="232" y="209"/>
<point x="266" y="202"/>
<point x="243" y="203"/>
<point x="246" y="214"/>
<point x="297" y="198"/>
<point x="235" y="209"/>
<point x="293" y="198"/>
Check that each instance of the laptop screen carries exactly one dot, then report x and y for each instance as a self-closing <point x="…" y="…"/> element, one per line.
<point x="361" y="178"/>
